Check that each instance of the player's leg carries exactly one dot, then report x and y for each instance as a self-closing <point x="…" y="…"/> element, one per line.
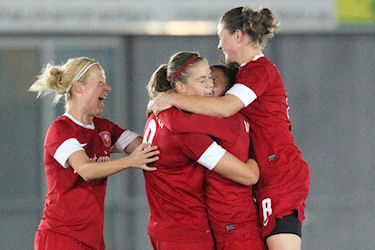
<point x="284" y="242"/>
<point x="286" y="235"/>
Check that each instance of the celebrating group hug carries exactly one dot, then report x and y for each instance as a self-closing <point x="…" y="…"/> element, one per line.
<point x="220" y="165"/>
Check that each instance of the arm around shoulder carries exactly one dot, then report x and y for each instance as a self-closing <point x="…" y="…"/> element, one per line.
<point x="221" y="106"/>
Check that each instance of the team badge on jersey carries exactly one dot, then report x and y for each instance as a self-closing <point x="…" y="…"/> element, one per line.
<point x="106" y="138"/>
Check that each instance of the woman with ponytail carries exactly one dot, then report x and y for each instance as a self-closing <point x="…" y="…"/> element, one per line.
<point x="178" y="214"/>
<point x="260" y="95"/>
<point x="77" y="151"/>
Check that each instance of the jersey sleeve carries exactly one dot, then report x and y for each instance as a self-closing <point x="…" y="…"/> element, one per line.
<point x="202" y="149"/>
<point x="60" y="143"/>
<point x="123" y="141"/>
<point x="250" y="84"/>
<point x="181" y="122"/>
<point x="66" y="149"/>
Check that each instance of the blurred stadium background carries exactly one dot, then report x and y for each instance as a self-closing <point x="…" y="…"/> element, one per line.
<point x="325" y="51"/>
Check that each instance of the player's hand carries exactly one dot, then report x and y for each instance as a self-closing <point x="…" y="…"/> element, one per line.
<point x="162" y="101"/>
<point x="149" y="107"/>
<point x="143" y="155"/>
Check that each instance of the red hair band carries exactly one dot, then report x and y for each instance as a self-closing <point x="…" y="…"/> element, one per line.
<point x="175" y="75"/>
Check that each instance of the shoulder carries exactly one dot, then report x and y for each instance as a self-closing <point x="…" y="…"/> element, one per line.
<point x="262" y="64"/>
<point x="60" y="130"/>
<point x="62" y="123"/>
<point x="102" y="123"/>
<point x="253" y="69"/>
<point x="260" y="69"/>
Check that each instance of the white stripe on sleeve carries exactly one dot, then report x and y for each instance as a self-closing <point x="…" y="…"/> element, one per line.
<point x="67" y="148"/>
<point x="123" y="141"/>
<point x="244" y="93"/>
<point x="211" y="156"/>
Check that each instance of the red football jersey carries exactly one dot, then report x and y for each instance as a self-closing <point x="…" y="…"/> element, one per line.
<point x="175" y="189"/>
<point x="283" y="171"/>
<point x="74" y="207"/>
<point x="231" y="206"/>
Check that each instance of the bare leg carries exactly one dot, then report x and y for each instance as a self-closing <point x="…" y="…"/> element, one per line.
<point x="284" y="241"/>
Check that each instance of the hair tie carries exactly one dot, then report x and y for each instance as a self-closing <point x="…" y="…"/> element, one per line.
<point x="175" y="75"/>
<point x="81" y="73"/>
<point x="84" y="70"/>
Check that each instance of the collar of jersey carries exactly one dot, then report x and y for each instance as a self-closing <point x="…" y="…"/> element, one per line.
<point x="89" y="126"/>
<point x="254" y="59"/>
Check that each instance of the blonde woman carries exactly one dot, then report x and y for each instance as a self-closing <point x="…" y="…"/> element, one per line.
<point x="77" y="152"/>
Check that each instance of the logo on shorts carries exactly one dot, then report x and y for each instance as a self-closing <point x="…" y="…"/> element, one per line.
<point x="265" y="222"/>
<point x="106" y="138"/>
<point x="267" y="210"/>
<point x="247" y="126"/>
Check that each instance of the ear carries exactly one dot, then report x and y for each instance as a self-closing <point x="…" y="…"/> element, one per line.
<point x="180" y="87"/>
<point x="240" y="36"/>
<point x="77" y="86"/>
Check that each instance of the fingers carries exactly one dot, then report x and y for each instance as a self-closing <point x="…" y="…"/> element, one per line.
<point x="150" y="104"/>
<point x="152" y="153"/>
<point x="144" y="145"/>
<point x="150" y="160"/>
<point x="155" y="109"/>
<point x="148" y="148"/>
<point x="145" y="153"/>
<point x="145" y="167"/>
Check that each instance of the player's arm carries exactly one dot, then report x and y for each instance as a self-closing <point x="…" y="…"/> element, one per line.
<point x="141" y="156"/>
<point x="248" y="87"/>
<point x="221" y="106"/>
<point x="125" y="141"/>
<point x="133" y="145"/>
<point x="208" y="153"/>
<point x="181" y="122"/>
<point x="232" y="168"/>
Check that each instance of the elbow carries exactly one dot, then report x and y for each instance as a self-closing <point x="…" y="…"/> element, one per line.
<point x="86" y="178"/>
<point x="250" y="180"/>
<point x="254" y="179"/>
<point x="253" y="174"/>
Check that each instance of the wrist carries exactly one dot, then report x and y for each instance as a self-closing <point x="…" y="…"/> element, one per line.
<point x="173" y="100"/>
<point x="125" y="162"/>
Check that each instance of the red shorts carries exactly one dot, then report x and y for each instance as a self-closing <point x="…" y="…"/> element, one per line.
<point x="245" y="236"/>
<point x="282" y="194"/>
<point x="278" y="204"/>
<point x="182" y="245"/>
<point x="45" y="240"/>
